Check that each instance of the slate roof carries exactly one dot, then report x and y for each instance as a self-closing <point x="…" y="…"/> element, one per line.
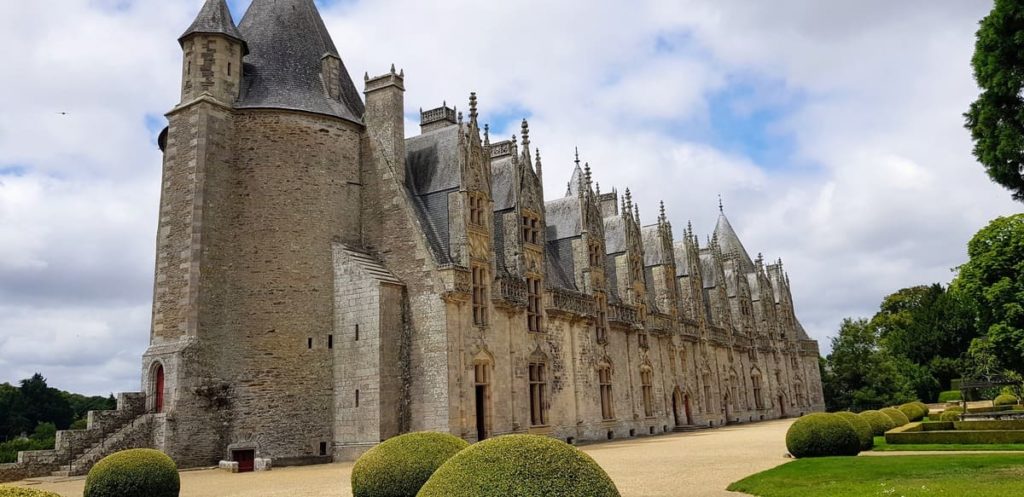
<point x="708" y="271"/>
<point x="214" y="18"/>
<point x="730" y="243"/>
<point x="432" y="172"/>
<point x="287" y="41"/>
<point x="559" y="264"/>
<point x="654" y="253"/>
<point x="573" y="188"/>
<point x="563" y="218"/>
<point x="614" y="235"/>
<point x="755" y="286"/>
<point x="682" y="259"/>
<point x="503" y="183"/>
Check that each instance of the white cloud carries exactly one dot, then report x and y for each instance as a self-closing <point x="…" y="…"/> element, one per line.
<point x="877" y="191"/>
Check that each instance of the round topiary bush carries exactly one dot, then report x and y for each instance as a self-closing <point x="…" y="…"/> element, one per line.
<point x="880" y="423"/>
<point x="134" y="473"/>
<point x="924" y="408"/>
<point x="897" y="416"/>
<point x="864" y="432"/>
<point x="399" y="466"/>
<point x="951" y="414"/>
<point x="912" y="411"/>
<point x="24" y="492"/>
<point x="822" y="434"/>
<point x="1004" y="399"/>
<point x="521" y="466"/>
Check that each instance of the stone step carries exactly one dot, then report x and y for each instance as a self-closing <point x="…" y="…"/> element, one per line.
<point x="688" y="428"/>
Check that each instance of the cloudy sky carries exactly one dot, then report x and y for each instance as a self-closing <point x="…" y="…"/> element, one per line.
<point x="833" y="131"/>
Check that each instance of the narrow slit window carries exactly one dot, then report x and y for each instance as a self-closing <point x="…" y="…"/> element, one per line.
<point x="357" y="398"/>
<point x="309" y="343"/>
<point x="357" y="332"/>
<point x="330" y="341"/>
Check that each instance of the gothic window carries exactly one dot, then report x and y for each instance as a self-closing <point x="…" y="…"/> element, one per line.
<point x="538" y="394"/>
<point x="605" y="380"/>
<point x="479" y="295"/>
<point x="531" y="228"/>
<point x="533" y="315"/>
<point x="594" y="254"/>
<point x="707" y="393"/>
<point x="477" y="211"/>
<point x="647" y="389"/>
<point x="755" y="380"/>
<point x="600" y="328"/>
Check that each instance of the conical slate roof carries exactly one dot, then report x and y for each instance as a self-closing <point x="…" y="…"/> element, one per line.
<point x="574" y="182"/>
<point x="287" y="42"/>
<point x="214" y="18"/>
<point x="730" y="243"/>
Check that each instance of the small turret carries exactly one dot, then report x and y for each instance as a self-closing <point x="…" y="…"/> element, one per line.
<point x="213" y="50"/>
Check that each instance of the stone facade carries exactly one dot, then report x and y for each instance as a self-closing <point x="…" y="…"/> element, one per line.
<point x="324" y="283"/>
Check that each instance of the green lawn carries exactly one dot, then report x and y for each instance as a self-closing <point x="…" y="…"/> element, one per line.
<point x="976" y="475"/>
<point x="880" y="445"/>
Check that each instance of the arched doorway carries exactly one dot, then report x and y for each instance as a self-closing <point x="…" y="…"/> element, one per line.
<point x="782" y="406"/>
<point x="686" y="406"/>
<point x="482" y="396"/>
<point x="677" y="407"/>
<point x="158" y="388"/>
<point x="727" y="402"/>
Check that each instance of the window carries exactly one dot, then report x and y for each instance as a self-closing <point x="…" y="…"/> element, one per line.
<point x="357" y="398"/>
<point x="476" y="209"/>
<point x="645" y="382"/>
<point x="330" y="341"/>
<point x="229" y="69"/>
<point x="479" y="295"/>
<point x="642" y="339"/>
<point x="538" y="394"/>
<point x="357" y="332"/>
<point x="531" y="228"/>
<point x="594" y="251"/>
<point x="309" y="343"/>
<point x="533" y="315"/>
<point x="600" y="328"/>
<point x="755" y="380"/>
<point x="323" y="448"/>
<point x="604" y="376"/>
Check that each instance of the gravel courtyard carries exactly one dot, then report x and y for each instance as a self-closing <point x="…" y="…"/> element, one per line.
<point x="701" y="463"/>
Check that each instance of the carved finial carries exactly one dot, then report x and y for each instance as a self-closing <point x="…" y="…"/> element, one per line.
<point x="586" y="173"/>
<point x="392" y="68"/>
<point x="636" y="213"/>
<point x="689" y="227"/>
<point x="513" y="140"/>
<point x="628" y="204"/>
<point x="460" y="118"/>
<point x="537" y="166"/>
<point x="577" y="157"/>
<point x="472" y="107"/>
<point x="401" y="73"/>
<point x="487" y="133"/>
<point x="526" y="133"/>
<point x="662" y="217"/>
<point x="366" y="76"/>
<point x="720" y="208"/>
<point x="597" y="189"/>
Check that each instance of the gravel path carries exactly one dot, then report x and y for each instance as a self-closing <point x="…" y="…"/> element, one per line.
<point x="694" y="464"/>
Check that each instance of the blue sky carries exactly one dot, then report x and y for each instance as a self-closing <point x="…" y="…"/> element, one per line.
<point x="833" y="130"/>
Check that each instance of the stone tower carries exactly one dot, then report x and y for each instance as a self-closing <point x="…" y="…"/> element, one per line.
<point x="262" y="175"/>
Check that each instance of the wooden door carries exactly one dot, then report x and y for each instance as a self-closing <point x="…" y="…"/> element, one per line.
<point x="246" y="460"/>
<point x="158" y="389"/>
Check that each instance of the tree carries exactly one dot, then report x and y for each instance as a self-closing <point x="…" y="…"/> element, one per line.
<point x="993" y="281"/>
<point x="996" y="118"/>
<point x="859" y="374"/>
<point x="40" y="403"/>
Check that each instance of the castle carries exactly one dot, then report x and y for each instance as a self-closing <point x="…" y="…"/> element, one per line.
<point x="324" y="283"/>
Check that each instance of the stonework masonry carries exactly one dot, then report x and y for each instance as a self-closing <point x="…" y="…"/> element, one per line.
<point x="323" y="282"/>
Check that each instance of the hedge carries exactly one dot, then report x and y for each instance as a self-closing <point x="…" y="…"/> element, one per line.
<point x="950" y="414"/>
<point x="863" y="429"/>
<point x="24" y="492"/>
<point x="134" y="473"/>
<point x="917" y="434"/>
<point x="897" y="416"/>
<point x="520" y="466"/>
<point x="949" y="396"/>
<point x="399" y="466"/>
<point x="1004" y="400"/>
<point x="880" y="423"/>
<point x="821" y="434"/>
<point x="913" y="412"/>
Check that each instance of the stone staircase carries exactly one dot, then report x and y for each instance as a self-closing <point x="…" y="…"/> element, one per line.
<point x="688" y="428"/>
<point x="75" y="451"/>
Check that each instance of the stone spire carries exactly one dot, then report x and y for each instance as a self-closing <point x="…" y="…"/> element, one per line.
<point x="539" y="169"/>
<point x="473" y="113"/>
<point x="586" y="174"/>
<point x="487" y="134"/>
<point x="214" y="18"/>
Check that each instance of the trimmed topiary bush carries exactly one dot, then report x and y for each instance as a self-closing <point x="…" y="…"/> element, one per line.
<point x="924" y="408"/>
<point x="880" y="423"/>
<point x="821" y="434"/>
<point x="24" y="492"/>
<point x="1004" y="399"/>
<point x="948" y="415"/>
<point x="864" y="432"/>
<point x="949" y="396"/>
<point x="134" y="473"/>
<point x="399" y="466"/>
<point x="897" y="416"/>
<point x="912" y="412"/>
<point x="520" y="466"/>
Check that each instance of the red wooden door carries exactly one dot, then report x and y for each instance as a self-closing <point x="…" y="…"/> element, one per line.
<point x="246" y="460"/>
<point x="159" y="389"/>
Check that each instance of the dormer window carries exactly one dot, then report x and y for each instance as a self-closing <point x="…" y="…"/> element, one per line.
<point x="476" y="209"/>
<point x="531" y="228"/>
<point x="594" y="252"/>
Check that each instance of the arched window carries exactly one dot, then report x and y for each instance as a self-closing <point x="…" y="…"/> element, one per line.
<point x="646" y="385"/>
<point x="538" y="393"/>
<point x="158" y="388"/>
<point x="755" y="381"/>
<point x="604" y="376"/>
